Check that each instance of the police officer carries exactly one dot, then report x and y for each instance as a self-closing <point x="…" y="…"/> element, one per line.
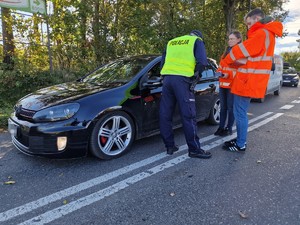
<point x="182" y="63"/>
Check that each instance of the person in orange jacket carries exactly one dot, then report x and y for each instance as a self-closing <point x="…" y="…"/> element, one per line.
<point x="254" y="56"/>
<point x="226" y="97"/>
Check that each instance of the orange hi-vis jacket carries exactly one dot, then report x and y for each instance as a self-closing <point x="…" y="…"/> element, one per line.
<point x="225" y="82"/>
<point x="251" y="79"/>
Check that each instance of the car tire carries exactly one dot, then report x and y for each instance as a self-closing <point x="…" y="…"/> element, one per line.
<point x="277" y="92"/>
<point x="112" y="135"/>
<point x="214" y="114"/>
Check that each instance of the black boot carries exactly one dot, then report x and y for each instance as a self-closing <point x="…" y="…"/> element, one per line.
<point x="219" y="131"/>
<point x="199" y="153"/>
<point x="171" y="150"/>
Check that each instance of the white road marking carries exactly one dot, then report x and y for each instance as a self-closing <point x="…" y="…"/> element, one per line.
<point x="227" y="138"/>
<point x="234" y="128"/>
<point x="28" y="207"/>
<point x="296" y="101"/>
<point x="61" y="211"/>
<point x="92" y="198"/>
<point x="287" y="107"/>
<point x="77" y="188"/>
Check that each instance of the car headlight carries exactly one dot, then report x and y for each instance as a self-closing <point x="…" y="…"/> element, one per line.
<point x="56" y="113"/>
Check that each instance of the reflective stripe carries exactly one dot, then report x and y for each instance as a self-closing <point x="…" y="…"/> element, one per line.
<point x="260" y="58"/>
<point x="267" y="41"/>
<point x="254" y="71"/>
<point x="225" y="84"/>
<point x="232" y="56"/>
<point x="230" y="69"/>
<point x="234" y="73"/>
<point x="244" y="50"/>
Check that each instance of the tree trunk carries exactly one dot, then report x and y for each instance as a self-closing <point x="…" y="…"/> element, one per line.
<point x="229" y="12"/>
<point x="96" y="32"/>
<point x="8" y="39"/>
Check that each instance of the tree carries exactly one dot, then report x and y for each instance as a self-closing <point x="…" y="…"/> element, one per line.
<point x="8" y="37"/>
<point x="293" y="58"/>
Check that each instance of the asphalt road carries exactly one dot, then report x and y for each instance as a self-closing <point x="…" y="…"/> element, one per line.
<point x="146" y="186"/>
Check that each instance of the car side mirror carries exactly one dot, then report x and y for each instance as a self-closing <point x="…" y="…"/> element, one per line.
<point x="153" y="82"/>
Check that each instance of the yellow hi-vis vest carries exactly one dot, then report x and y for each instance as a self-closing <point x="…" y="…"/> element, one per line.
<point x="180" y="59"/>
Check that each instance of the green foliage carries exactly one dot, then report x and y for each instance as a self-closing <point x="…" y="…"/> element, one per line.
<point x="293" y="58"/>
<point x="87" y="33"/>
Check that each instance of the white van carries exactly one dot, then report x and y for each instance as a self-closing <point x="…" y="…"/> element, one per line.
<point x="275" y="81"/>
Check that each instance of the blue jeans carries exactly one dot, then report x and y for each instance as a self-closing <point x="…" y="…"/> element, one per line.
<point x="240" y="109"/>
<point x="226" y="101"/>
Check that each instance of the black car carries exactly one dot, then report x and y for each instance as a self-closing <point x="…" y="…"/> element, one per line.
<point x="290" y="79"/>
<point x="104" y="111"/>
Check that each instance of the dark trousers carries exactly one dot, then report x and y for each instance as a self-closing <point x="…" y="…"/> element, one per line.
<point x="226" y="113"/>
<point x="176" y="91"/>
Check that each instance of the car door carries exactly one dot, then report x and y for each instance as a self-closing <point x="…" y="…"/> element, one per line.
<point x="150" y="100"/>
<point x="205" y="92"/>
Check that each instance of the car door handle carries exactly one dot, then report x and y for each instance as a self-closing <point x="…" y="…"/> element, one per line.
<point x="212" y="85"/>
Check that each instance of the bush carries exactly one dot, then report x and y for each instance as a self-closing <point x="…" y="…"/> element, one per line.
<point x="16" y="84"/>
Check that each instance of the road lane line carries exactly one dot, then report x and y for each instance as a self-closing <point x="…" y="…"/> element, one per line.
<point x="61" y="211"/>
<point x="287" y="107"/>
<point x="234" y="128"/>
<point x="28" y="207"/>
<point x="227" y="138"/>
<point x="99" y="195"/>
<point x="4" y="216"/>
<point x="296" y="101"/>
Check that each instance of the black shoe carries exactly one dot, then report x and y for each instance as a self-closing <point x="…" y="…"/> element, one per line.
<point x="171" y="150"/>
<point x="229" y="143"/>
<point x="199" y="154"/>
<point x="235" y="148"/>
<point x="226" y="132"/>
<point x="219" y="131"/>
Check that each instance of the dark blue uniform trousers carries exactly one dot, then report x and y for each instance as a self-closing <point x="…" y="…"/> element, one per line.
<point x="176" y="89"/>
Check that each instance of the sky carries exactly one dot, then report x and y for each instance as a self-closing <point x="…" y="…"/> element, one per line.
<point x="291" y="25"/>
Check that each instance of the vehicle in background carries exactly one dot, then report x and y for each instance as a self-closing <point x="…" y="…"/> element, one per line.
<point x="275" y="80"/>
<point x="290" y="79"/>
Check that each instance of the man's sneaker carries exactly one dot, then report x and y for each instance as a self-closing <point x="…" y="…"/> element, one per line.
<point x="235" y="148"/>
<point x="219" y="131"/>
<point x="199" y="153"/>
<point x="171" y="150"/>
<point x="229" y="143"/>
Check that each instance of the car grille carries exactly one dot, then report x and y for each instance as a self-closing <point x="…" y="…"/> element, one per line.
<point x="287" y="78"/>
<point x="37" y="144"/>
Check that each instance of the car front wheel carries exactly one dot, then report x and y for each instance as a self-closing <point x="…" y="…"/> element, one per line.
<point x="214" y="115"/>
<point x="112" y="135"/>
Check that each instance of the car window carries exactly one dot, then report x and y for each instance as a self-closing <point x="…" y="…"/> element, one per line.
<point x="154" y="72"/>
<point x="122" y="71"/>
<point x="208" y="74"/>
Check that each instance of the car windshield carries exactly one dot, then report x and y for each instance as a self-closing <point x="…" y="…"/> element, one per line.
<point x="119" y="71"/>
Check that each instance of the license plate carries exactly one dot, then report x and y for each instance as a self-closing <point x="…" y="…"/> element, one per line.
<point x="12" y="128"/>
<point x="286" y="81"/>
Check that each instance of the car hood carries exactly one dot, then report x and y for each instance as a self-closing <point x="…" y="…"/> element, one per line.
<point x="290" y="75"/>
<point x="61" y="93"/>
